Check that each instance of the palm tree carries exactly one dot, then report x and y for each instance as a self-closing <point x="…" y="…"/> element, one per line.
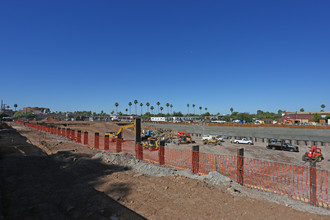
<point x="171" y="106"/>
<point x="200" y="110"/>
<point x="231" y="110"/>
<point x="167" y="105"/>
<point x="141" y="104"/>
<point x="135" y="102"/>
<point x="193" y="107"/>
<point x="126" y="110"/>
<point x="322" y="106"/>
<point x="188" y="108"/>
<point x="116" y="104"/>
<point x="130" y="104"/>
<point x="15" y="106"/>
<point x="152" y="109"/>
<point x="158" y="103"/>
<point x="302" y="110"/>
<point x="161" y="109"/>
<point x="147" y="104"/>
<point x="205" y="110"/>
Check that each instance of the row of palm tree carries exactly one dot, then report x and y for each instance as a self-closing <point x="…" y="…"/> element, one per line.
<point x="200" y="108"/>
<point x="168" y="105"/>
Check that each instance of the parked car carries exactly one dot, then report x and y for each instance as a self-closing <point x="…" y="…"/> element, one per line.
<point x="219" y="138"/>
<point x="283" y="146"/>
<point x="243" y="141"/>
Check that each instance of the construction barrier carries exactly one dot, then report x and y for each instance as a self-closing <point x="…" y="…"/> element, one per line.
<point x="303" y="183"/>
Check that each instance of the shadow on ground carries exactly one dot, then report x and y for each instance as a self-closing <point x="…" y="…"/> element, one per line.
<point x="37" y="186"/>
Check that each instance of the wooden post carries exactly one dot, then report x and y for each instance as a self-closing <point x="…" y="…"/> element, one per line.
<point x="137" y="131"/>
<point x="195" y="159"/>
<point x="161" y="153"/>
<point x="96" y="140"/>
<point x="106" y="142"/>
<point x="67" y="133"/>
<point x="139" y="151"/>
<point x="118" y="145"/>
<point x="85" y="138"/>
<point x="312" y="174"/>
<point x="72" y="134"/>
<point x="240" y="166"/>
<point x="79" y="136"/>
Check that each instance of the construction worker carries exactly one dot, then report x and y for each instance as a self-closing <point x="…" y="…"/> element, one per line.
<point x="231" y="140"/>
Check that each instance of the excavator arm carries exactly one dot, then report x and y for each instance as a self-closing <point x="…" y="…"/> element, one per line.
<point x="119" y="132"/>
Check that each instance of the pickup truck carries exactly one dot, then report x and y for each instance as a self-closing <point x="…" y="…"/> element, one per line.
<point x="243" y="141"/>
<point x="283" y="146"/>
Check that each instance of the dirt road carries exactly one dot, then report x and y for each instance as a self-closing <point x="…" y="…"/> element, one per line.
<point x="45" y="177"/>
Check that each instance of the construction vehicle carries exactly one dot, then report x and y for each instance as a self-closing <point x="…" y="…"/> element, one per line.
<point x="119" y="133"/>
<point x="212" y="141"/>
<point x="313" y="155"/>
<point x="185" y="140"/>
<point x="181" y="134"/>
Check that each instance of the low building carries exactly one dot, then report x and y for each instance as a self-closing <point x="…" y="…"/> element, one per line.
<point x="36" y="110"/>
<point x="300" y="117"/>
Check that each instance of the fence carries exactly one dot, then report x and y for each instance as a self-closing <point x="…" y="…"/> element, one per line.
<point x="301" y="183"/>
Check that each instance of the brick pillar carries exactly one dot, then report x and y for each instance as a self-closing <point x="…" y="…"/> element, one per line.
<point x="85" y="138"/>
<point x="79" y="136"/>
<point x="97" y="140"/>
<point x="106" y="142"/>
<point x="118" y="145"/>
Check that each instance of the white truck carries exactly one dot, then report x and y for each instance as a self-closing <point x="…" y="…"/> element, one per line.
<point x="209" y="137"/>
<point x="243" y="141"/>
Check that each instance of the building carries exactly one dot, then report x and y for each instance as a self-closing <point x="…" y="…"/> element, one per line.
<point x="37" y="110"/>
<point x="300" y="117"/>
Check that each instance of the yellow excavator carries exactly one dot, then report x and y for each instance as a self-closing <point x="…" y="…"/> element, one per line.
<point x="151" y="144"/>
<point x="119" y="133"/>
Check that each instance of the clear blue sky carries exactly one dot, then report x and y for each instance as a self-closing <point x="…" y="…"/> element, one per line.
<point x="87" y="55"/>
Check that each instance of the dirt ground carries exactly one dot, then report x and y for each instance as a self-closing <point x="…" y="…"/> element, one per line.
<point x="46" y="177"/>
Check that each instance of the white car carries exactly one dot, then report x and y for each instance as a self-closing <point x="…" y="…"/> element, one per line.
<point x="243" y="141"/>
<point x="219" y="138"/>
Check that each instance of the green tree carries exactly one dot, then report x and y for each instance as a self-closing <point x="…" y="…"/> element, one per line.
<point x="161" y="110"/>
<point x="322" y="106"/>
<point x="200" y="110"/>
<point x="116" y="104"/>
<point x="171" y="106"/>
<point x="188" y="108"/>
<point x="317" y="117"/>
<point x="158" y="103"/>
<point x="152" y="109"/>
<point x="141" y="104"/>
<point x="130" y="104"/>
<point x="126" y="110"/>
<point x="147" y="104"/>
<point x="135" y="102"/>
<point x="327" y="117"/>
<point x="167" y="105"/>
<point x="15" y="106"/>
<point x="302" y="110"/>
<point x="231" y="110"/>
<point x="193" y="105"/>
<point x="206" y="110"/>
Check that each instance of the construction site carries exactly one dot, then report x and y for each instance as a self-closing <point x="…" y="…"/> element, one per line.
<point x="121" y="170"/>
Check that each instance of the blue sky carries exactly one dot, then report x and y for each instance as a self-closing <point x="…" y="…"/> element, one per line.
<point x="87" y="55"/>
